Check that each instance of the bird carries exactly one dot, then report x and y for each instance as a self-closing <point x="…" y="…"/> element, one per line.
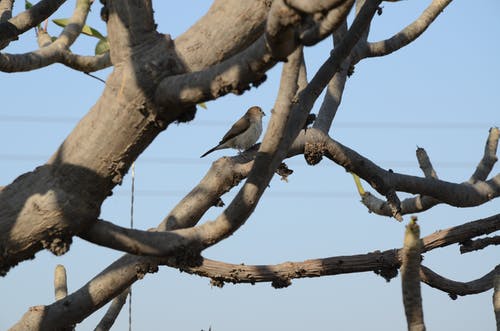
<point x="244" y="133"/>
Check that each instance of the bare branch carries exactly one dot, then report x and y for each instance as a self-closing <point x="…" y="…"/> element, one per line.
<point x="456" y="234"/>
<point x="410" y="279"/>
<point x="236" y="74"/>
<point x="384" y="263"/>
<point x="475" y="245"/>
<point x="335" y="88"/>
<point x="425" y="164"/>
<point x="86" y="63"/>
<point x="140" y="242"/>
<point x="61" y="289"/>
<point x="311" y="7"/>
<point x="11" y="28"/>
<point x="60" y="282"/>
<point x="459" y="195"/>
<point x="231" y="76"/>
<point x="409" y="33"/>
<point x="6" y="10"/>
<point x="326" y="26"/>
<point x="333" y="64"/>
<point x="454" y="288"/>
<point x="113" y="311"/>
<point x="232" y="36"/>
<point x="496" y="297"/>
<point x="489" y="158"/>
<point x="51" y="53"/>
<point x="421" y="203"/>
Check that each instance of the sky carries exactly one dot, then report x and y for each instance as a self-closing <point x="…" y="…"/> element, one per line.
<point x="441" y="93"/>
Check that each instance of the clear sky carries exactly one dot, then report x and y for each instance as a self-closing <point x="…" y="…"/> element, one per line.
<point x="442" y="93"/>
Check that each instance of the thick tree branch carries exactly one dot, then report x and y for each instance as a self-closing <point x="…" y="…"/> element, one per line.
<point x="139" y="242"/>
<point x="311" y="7"/>
<point x="326" y="26"/>
<point x="61" y="289"/>
<point x="410" y="279"/>
<point x="239" y="24"/>
<point x="231" y="76"/>
<point x="409" y="33"/>
<point x="6" y="10"/>
<point x="384" y="263"/>
<point x="236" y="74"/>
<point x="475" y="245"/>
<point x="113" y="311"/>
<point x="130" y="25"/>
<point x="335" y="89"/>
<point x="489" y="159"/>
<point x="421" y="203"/>
<point x="86" y="63"/>
<point x="53" y="52"/>
<point x="60" y="282"/>
<point x="454" y="288"/>
<point x="224" y="174"/>
<point x="425" y="163"/>
<point x="458" y="195"/>
<point x="11" y="28"/>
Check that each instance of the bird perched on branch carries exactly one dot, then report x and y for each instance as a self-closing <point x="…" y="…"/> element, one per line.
<point x="244" y="133"/>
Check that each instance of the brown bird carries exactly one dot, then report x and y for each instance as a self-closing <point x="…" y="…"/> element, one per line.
<point x="244" y="133"/>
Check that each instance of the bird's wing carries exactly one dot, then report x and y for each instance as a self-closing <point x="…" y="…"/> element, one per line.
<point x="238" y="128"/>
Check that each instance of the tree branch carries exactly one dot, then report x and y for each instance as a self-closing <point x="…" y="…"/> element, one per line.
<point x="52" y="52"/>
<point x="409" y="33"/>
<point x="239" y="25"/>
<point x="489" y="159"/>
<point x="475" y="245"/>
<point x="30" y="18"/>
<point x="410" y="280"/>
<point x="326" y="26"/>
<point x="425" y="163"/>
<point x="335" y="89"/>
<point x="454" y="288"/>
<point x="236" y="74"/>
<point x="86" y="63"/>
<point x="384" y="263"/>
<point x="458" y="195"/>
<point x="421" y="203"/>
<point x="60" y="282"/>
<point x="6" y="10"/>
<point x="113" y="311"/>
<point x="61" y="289"/>
<point x="311" y="7"/>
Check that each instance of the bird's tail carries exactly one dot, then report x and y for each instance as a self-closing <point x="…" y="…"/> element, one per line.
<point x="209" y="151"/>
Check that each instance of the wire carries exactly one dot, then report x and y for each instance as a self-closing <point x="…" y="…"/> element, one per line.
<point x="339" y="125"/>
<point x="132" y="195"/>
<point x="198" y="162"/>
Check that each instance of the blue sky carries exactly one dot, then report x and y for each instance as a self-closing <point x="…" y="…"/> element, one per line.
<point x="441" y="93"/>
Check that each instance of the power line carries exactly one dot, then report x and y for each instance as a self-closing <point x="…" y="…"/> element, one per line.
<point x="213" y="123"/>
<point x="197" y="161"/>
<point x="270" y="194"/>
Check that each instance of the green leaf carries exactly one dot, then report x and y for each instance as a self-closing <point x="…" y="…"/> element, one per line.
<point x="89" y="31"/>
<point x="27" y="4"/>
<point x="202" y="105"/>
<point x="102" y="46"/>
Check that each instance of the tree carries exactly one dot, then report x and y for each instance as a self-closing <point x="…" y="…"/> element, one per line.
<point x="157" y="81"/>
